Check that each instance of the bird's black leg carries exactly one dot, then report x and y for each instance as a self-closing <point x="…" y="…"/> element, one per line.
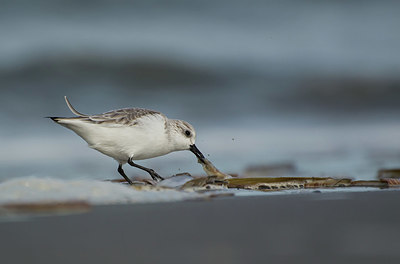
<point x="121" y="171"/>
<point x="152" y="173"/>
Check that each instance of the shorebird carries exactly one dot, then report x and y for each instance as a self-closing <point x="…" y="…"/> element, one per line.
<point x="130" y="134"/>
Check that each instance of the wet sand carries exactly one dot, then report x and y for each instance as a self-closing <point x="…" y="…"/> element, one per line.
<point x="305" y="228"/>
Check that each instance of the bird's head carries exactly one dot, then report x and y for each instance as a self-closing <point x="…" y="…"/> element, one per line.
<point x="183" y="137"/>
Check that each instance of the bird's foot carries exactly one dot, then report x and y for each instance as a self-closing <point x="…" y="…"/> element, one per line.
<point x="155" y="176"/>
<point x="152" y="173"/>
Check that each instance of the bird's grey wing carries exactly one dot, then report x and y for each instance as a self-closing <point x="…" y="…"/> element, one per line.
<point x="125" y="117"/>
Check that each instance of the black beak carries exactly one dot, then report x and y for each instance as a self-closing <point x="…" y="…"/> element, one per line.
<point x="197" y="152"/>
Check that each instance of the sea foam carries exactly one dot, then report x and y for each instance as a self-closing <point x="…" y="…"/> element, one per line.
<point x="36" y="190"/>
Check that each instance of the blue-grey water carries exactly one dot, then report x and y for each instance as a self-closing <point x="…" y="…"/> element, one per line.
<point x="316" y="84"/>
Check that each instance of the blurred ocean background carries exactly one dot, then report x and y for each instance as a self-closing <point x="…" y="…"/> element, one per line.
<point x="315" y="84"/>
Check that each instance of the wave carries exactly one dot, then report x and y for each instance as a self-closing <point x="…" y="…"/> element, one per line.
<point x="41" y="189"/>
<point x="141" y="69"/>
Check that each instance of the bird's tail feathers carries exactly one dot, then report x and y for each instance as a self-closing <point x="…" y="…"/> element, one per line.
<point x="54" y="118"/>
<point x="65" y="121"/>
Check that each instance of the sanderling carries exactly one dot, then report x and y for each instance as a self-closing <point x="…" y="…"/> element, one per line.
<point x="130" y="134"/>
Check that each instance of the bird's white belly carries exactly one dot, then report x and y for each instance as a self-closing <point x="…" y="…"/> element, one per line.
<point x="121" y="143"/>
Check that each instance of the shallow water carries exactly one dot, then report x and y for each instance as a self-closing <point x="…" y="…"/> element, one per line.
<point x="348" y="151"/>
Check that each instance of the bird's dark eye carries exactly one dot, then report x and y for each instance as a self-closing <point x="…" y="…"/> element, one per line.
<point x="187" y="132"/>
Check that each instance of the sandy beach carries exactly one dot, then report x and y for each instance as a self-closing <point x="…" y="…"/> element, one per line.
<point x="319" y="227"/>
